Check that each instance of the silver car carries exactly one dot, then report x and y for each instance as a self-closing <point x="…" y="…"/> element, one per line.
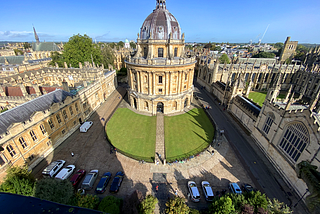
<point x="194" y="192"/>
<point x="207" y="190"/>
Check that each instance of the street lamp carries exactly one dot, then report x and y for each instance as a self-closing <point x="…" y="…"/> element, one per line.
<point x="307" y="190"/>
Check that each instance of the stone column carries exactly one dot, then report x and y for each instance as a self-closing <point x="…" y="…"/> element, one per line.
<point x="141" y="81"/>
<point x="167" y="82"/>
<point x="154" y="83"/>
<point x="138" y="80"/>
<point x="170" y="81"/>
<point x="181" y="81"/>
<point x="149" y="83"/>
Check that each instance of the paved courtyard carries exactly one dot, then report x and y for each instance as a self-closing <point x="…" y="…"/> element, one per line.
<point x="92" y="151"/>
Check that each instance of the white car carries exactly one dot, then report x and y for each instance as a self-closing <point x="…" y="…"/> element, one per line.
<point x="194" y="192"/>
<point x="207" y="190"/>
<point x="53" y="168"/>
<point x="66" y="172"/>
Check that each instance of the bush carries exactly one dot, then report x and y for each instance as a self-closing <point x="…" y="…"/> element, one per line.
<point x="177" y="205"/>
<point x="55" y="190"/>
<point x="18" y="181"/>
<point x="110" y="205"/>
<point x="87" y="201"/>
<point x="148" y="205"/>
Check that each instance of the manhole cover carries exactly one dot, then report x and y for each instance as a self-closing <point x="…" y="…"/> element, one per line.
<point x="160" y="177"/>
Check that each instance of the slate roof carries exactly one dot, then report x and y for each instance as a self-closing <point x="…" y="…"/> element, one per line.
<point x="13" y="60"/>
<point x="23" y="112"/>
<point x="12" y="203"/>
<point x="45" y="46"/>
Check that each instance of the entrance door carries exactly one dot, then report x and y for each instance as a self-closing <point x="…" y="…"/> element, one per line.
<point x="160" y="107"/>
<point x="80" y="121"/>
<point x="135" y="103"/>
<point x="185" y="102"/>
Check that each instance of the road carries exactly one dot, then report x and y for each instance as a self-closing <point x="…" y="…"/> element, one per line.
<point x="255" y="164"/>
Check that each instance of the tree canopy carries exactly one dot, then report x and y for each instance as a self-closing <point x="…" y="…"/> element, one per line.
<point x="81" y="49"/>
<point x="224" y="59"/>
<point x="133" y="45"/>
<point x="107" y="56"/>
<point x="56" y="58"/>
<point x="148" y="205"/>
<point x="110" y="204"/>
<point x="177" y="205"/>
<point x="26" y="45"/>
<point x="264" y="55"/>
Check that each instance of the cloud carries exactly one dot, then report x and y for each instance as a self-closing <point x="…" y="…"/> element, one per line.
<point x="104" y="36"/>
<point x="15" y="34"/>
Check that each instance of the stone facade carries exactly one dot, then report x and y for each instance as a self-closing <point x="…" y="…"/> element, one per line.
<point x="160" y="75"/>
<point x="289" y="49"/>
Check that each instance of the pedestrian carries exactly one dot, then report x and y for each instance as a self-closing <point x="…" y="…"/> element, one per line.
<point x="115" y="150"/>
<point x="212" y="152"/>
<point x="157" y="188"/>
<point x="72" y="154"/>
<point x="159" y="155"/>
<point x="176" y="192"/>
<point x="157" y="162"/>
<point x="111" y="150"/>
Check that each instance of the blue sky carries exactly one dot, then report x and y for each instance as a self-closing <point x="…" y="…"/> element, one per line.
<point x="201" y="21"/>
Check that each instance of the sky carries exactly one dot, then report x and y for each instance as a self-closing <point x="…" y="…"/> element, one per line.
<point x="234" y="21"/>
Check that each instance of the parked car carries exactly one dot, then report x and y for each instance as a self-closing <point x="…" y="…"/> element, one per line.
<point x="207" y="190"/>
<point x="66" y="172"/>
<point x="89" y="180"/>
<point x="194" y="192"/>
<point x="116" y="183"/>
<point x="75" y="179"/>
<point x="103" y="183"/>
<point x="247" y="187"/>
<point x="234" y="188"/>
<point x="53" y="168"/>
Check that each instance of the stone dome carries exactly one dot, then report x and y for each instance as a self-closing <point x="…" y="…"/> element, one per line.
<point x="160" y="23"/>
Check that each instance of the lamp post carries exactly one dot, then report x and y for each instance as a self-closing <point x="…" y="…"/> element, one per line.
<point x="307" y="190"/>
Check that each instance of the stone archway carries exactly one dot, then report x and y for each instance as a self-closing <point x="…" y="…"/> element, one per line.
<point x="135" y="103"/>
<point x="160" y="107"/>
<point x="186" y="103"/>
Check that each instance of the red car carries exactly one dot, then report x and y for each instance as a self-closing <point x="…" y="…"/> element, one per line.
<point x="77" y="177"/>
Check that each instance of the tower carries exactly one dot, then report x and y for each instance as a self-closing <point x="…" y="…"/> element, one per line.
<point x="36" y="36"/>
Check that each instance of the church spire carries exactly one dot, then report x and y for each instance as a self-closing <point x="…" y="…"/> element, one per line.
<point x="36" y="35"/>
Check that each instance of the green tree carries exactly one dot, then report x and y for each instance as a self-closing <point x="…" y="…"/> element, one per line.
<point x="26" y="45"/>
<point x="224" y="59"/>
<point x="3" y="110"/>
<point x="177" y="205"/>
<point x="120" y="44"/>
<point x="148" y="205"/>
<point x="18" y="181"/>
<point x="133" y="45"/>
<point x="87" y="201"/>
<point x="217" y="48"/>
<point x="301" y="52"/>
<point x="264" y="55"/>
<point x="55" y="190"/>
<point x="257" y="200"/>
<point x="277" y="207"/>
<point x="223" y="205"/>
<point x="122" y="72"/>
<point x="81" y="49"/>
<point x="110" y="204"/>
<point x="18" y="52"/>
<point x="107" y="56"/>
<point x="56" y="58"/>
<point x="278" y="45"/>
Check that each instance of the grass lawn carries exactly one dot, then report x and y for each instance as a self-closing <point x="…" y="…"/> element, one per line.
<point x="187" y="134"/>
<point x="259" y="97"/>
<point x="133" y="133"/>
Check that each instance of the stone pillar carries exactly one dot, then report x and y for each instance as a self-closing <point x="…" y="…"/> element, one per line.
<point x="181" y="81"/>
<point x="149" y="83"/>
<point x="138" y="81"/>
<point x="178" y="83"/>
<point x="170" y="81"/>
<point x="167" y="81"/>
<point x="154" y="83"/>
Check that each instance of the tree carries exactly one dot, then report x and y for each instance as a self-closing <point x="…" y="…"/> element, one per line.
<point x="110" y="204"/>
<point x="257" y="200"/>
<point x="26" y="45"/>
<point x="56" y="58"/>
<point x="133" y="45"/>
<point x="122" y="72"/>
<point x="264" y="55"/>
<point x="18" y="181"/>
<point x="55" y="190"/>
<point x="107" y="56"/>
<point x="148" y="205"/>
<point x="120" y="44"/>
<point x="18" y="52"/>
<point x="278" y="45"/>
<point x="177" y="205"/>
<point x="223" y="205"/>
<point x="301" y="52"/>
<point x="81" y="49"/>
<point x="277" y="207"/>
<point x="87" y="201"/>
<point x="217" y="48"/>
<point x="224" y="59"/>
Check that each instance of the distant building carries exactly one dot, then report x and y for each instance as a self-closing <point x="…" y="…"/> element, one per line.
<point x="127" y="44"/>
<point x="289" y="49"/>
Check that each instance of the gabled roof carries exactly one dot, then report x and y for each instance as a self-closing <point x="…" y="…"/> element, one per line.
<point x="23" y="112"/>
<point x="45" y="46"/>
<point x="13" y="60"/>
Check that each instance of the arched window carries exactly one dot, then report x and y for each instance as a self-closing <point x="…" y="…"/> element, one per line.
<point x="23" y="142"/>
<point x="33" y="135"/>
<point x="71" y="111"/>
<point x="146" y="106"/>
<point x="51" y="124"/>
<point x="294" y="140"/>
<point x="268" y="123"/>
<point x="175" y="52"/>
<point x="76" y="106"/>
<point x="11" y="150"/>
<point x="43" y="130"/>
<point x="58" y="118"/>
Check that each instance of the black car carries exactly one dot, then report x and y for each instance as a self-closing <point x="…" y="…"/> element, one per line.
<point x="247" y="187"/>
<point x="102" y="185"/>
<point x="116" y="183"/>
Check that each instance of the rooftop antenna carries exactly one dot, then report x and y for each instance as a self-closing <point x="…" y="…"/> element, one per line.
<point x="264" y="34"/>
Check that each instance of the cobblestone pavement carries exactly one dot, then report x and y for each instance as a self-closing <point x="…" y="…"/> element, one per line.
<point x="92" y="151"/>
<point x="159" y="155"/>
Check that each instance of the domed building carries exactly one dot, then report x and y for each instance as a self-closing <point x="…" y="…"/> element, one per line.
<point x="160" y="75"/>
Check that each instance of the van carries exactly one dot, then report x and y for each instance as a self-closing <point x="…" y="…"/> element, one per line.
<point x="86" y="126"/>
<point x="65" y="172"/>
<point x="53" y="168"/>
<point x="89" y="180"/>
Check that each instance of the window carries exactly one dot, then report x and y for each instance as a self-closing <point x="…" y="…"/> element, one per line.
<point x="63" y="131"/>
<point x="33" y="135"/>
<point x="175" y="52"/>
<point x="43" y="130"/>
<point x="160" y="52"/>
<point x="76" y="106"/>
<point x="74" y="122"/>
<point x="23" y="143"/>
<point x="11" y="150"/>
<point x="294" y="141"/>
<point x="268" y="123"/>
<point x="84" y="105"/>
<point x="160" y="79"/>
<point x="65" y="116"/>
<point x="58" y="118"/>
<point x="160" y="90"/>
<point x="185" y="76"/>
<point x="48" y="143"/>
<point x="145" y="52"/>
<point x="71" y="111"/>
<point x="51" y="124"/>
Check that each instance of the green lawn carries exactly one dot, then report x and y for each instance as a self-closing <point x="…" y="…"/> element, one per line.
<point x="133" y="133"/>
<point x="259" y="97"/>
<point x="187" y="134"/>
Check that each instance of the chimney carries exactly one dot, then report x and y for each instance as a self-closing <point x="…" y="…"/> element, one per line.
<point x="65" y="86"/>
